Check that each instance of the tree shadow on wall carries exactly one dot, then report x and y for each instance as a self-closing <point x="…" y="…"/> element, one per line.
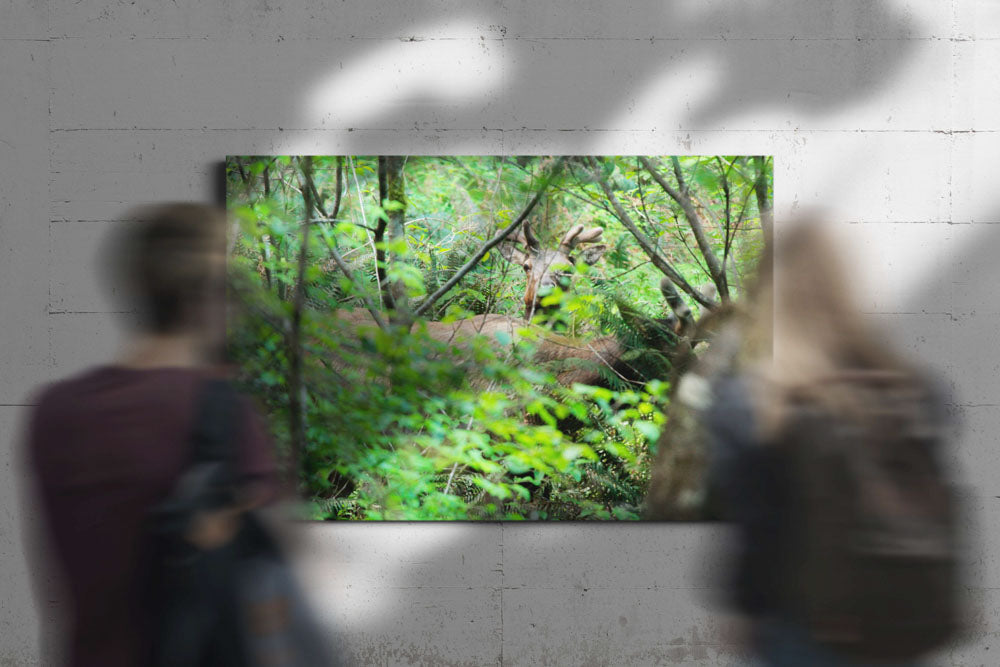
<point x="621" y="587"/>
<point x="582" y="70"/>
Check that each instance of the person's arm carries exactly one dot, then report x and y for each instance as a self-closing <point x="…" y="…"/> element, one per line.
<point x="745" y="476"/>
<point x="759" y="511"/>
<point x="257" y="482"/>
<point x="730" y="427"/>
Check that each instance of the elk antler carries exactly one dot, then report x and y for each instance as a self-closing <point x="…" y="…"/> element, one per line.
<point x="528" y="238"/>
<point x="576" y="236"/>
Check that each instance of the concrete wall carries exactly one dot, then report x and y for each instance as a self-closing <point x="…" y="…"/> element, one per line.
<point x="886" y="113"/>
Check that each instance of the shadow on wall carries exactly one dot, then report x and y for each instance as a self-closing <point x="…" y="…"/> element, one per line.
<point x="949" y="323"/>
<point x="476" y="594"/>
<point x="731" y="63"/>
<point x="444" y="612"/>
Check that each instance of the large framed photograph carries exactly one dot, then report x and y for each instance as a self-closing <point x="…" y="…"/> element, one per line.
<point x="490" y="337"/>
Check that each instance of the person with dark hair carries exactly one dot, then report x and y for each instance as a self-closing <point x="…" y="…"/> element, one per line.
<point x="109" y="444"/>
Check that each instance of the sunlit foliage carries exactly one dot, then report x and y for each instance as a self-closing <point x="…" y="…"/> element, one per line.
<point x="400" y="424"/>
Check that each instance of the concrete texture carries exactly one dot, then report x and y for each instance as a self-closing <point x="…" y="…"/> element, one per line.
<point x="884" y="113"/>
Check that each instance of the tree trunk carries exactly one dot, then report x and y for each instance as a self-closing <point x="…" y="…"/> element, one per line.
<point x="296" y="386"/>
<point x="394" y="289"/>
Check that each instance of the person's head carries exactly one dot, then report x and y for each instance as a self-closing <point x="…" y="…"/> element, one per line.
<point x="171" y="262"/>
<point x="805" y="306"/>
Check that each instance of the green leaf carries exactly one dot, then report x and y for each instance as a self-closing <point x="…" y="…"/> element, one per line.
<point x="648" y="429"/>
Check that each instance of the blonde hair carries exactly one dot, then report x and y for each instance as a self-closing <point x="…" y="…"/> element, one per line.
<point x="804" y="308"/>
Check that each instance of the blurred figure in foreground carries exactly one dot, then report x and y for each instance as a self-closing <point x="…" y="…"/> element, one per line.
<point x="827" y="457"/>
<point x="110" y="444"/>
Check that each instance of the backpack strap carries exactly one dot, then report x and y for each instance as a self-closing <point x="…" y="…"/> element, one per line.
<point x="214" y="435"/>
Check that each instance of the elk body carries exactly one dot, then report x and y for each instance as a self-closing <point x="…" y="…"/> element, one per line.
<point x="602" y="361"/>
<point x="572" y="360"/>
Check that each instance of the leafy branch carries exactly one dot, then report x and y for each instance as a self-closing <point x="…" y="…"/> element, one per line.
<point x="489" y="245"/>
<point x="658" y="260"/>
<point x="681" y="196"/>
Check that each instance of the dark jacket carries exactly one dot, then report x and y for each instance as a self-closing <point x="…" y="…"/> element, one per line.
<point x="104" y="448"/>
<point x="752" y="483"/>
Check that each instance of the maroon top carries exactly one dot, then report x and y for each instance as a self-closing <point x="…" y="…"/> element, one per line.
<point x="105" y="447"/>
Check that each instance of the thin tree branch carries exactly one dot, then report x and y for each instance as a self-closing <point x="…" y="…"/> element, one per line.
<point x="727" y="223"/>
<point x="395" y="229"/>
<point x="265" y="239"/>
<point x="715" y="269"/>
<point x="243" y="176"/>
<point x="737" y="228"/>
<point x="296" y="388"/>
<point x="739" y="221"/>
<point x="325" y="220"/>
<point x="489" y="245"/>
<point x="586" y="200"/>
<point x="379" y="238"/>
<point x="729" y="204"/>
<point x="364" y="219"/>
<point x="659" y="261"/>
<point x="678" y="235"/>
<point x="369" y="306"/>
<point x="627" y="271"/>
<point x="332" y="215"/>
<point x="383" y="185"/>
<point x="764" y="205"/>
<point x="337" y="259"/>
<point x="252" y="305"/>
<point x="288" y="185"/>
<point x="679" y="173"/>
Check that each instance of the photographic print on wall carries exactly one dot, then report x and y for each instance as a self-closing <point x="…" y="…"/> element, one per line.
<point x="488" y="337"/>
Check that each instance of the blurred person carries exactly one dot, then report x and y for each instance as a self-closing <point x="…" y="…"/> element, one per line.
<point x="826" y="454"/>
<point x="109" y="444"/>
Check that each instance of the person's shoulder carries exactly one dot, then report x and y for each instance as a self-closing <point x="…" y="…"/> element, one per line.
<point x="53" y="413"/>
<point x="60" y="392"/>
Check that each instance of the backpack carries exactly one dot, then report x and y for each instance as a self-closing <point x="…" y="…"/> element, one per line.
<point x="873" y="554"/>
<point x="235" y="605"/>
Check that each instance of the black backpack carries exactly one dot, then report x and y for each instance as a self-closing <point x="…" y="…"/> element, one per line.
<point x="235" y="605"/>
<point x="873" y="558"/>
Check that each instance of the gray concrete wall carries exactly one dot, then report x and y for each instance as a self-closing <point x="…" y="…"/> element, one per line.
<point x="886" y="113"/>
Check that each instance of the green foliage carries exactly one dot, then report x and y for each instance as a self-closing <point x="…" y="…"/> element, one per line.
<point x="402" y="425"/>
<point x="430" y="430"/>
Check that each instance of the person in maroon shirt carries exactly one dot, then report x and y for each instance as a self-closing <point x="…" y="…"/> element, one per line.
<point x="109" y="444"/>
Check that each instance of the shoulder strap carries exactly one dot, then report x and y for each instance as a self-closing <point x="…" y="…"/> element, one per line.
<point x="213" y="434"/>
<point x="207" y="481"/>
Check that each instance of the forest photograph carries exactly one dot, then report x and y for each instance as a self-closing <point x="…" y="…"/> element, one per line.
<point x="488" y="337"/>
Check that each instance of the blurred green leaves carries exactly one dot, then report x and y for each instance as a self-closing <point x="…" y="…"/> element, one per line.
<point x="405" y="426"/>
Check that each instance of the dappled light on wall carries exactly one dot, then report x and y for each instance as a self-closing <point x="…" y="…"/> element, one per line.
<point x="429" y="78"/>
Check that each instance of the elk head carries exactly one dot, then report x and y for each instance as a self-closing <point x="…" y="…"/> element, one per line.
<point x="547" y="269"/>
